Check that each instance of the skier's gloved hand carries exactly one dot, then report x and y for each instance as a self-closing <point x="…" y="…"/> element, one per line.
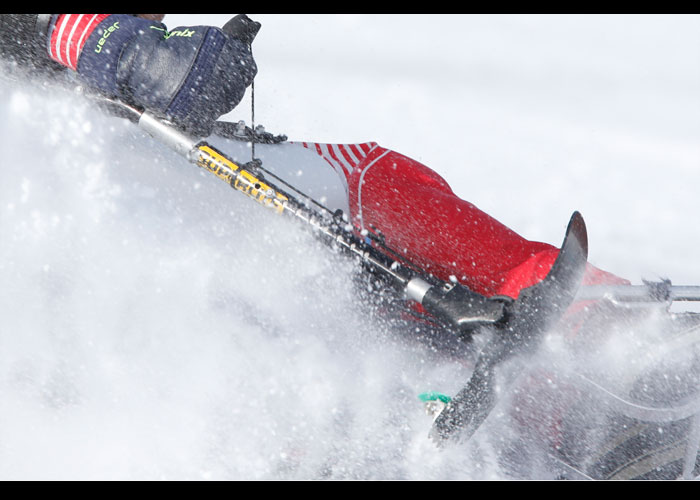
<point x="190" y="75"/>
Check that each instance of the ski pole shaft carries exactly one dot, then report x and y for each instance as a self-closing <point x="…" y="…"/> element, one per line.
<point x="654" y="292"/>
<point x="450" y="302"/>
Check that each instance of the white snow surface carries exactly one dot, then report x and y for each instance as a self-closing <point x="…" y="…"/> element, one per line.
<point x="158" y="325"/>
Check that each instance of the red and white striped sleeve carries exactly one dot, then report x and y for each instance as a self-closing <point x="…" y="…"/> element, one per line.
<point x="344" y="158"/>
<point x="69" y="34"/>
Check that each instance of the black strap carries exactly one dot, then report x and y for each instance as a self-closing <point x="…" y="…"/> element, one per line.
<point x="241" y="132"/>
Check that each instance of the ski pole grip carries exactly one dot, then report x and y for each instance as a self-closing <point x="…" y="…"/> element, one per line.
<point x="242" y="28"/>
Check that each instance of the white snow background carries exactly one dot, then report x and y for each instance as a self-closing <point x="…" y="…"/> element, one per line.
<point x="157" y="325"/>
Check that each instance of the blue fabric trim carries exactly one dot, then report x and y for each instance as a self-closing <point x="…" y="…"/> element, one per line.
<point x="199" y="75"/>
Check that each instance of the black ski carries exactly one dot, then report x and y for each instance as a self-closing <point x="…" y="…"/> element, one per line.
<point x="537" y="309"/>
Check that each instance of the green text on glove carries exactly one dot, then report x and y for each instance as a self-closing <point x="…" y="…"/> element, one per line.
<point x="187" y="33"/>
<point x="107" y="32"/>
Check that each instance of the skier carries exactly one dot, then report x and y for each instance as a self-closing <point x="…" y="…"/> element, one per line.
<point x="193" y="75"/>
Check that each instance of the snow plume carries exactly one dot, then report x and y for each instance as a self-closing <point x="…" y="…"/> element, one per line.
<point x="158" y="325"/>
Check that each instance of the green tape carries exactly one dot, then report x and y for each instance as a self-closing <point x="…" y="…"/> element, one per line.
<point x="434" y="396"/>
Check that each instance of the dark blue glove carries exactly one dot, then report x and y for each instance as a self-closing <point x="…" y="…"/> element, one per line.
<point x="190" y="75"/>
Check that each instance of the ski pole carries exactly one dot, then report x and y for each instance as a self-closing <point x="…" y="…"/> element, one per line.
<point x="662" y="291"/>
<point x="451" y="303"/>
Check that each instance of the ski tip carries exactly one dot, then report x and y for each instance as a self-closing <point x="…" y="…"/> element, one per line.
<point x="570" y="264"/>
<point x="577" y="229"/>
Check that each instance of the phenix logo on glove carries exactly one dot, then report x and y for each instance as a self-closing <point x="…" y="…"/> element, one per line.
<point x="167" y="34"/>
